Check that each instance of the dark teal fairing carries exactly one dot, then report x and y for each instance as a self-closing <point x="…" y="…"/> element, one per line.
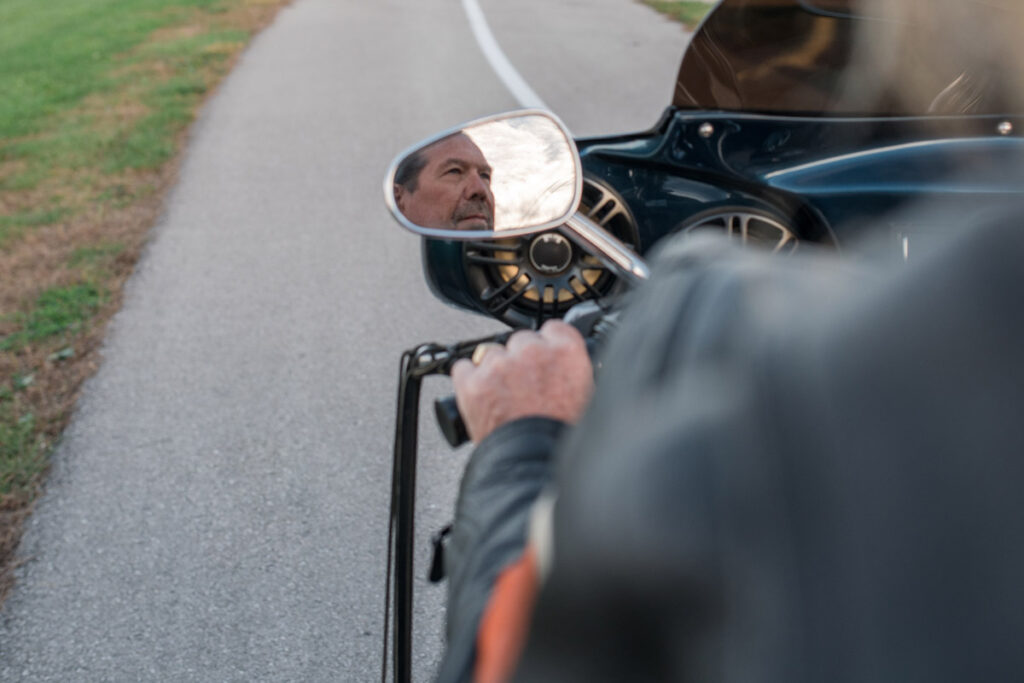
<point x="830" y="178"/>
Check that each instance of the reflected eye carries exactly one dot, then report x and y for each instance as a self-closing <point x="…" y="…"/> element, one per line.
<point x="454" y="170"/>
<point x="486" y="176"/>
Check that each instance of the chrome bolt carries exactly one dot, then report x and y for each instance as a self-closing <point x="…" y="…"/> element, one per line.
<point x="1005" y="128"/>
<point x="706" y="130"/>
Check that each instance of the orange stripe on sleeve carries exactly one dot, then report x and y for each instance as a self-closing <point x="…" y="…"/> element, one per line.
<point x="502" y="634"/>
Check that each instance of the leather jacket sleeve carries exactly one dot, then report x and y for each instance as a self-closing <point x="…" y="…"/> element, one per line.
<point x="504" y="476"/>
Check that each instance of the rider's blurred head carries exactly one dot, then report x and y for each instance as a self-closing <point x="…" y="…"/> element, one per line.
<point x="447" y="186"/>
<point x="946" y="57"/>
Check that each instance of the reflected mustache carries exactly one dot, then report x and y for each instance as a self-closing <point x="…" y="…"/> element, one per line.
<point x="472" y="207"/>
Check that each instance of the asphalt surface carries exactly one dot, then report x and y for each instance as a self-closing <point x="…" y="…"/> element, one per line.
<point x="217" y="510"/>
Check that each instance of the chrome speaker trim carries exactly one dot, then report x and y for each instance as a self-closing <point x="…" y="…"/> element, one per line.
<point x="511" y="287"/>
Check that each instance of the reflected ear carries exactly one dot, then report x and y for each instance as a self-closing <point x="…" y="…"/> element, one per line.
<point x="399" y="196"/>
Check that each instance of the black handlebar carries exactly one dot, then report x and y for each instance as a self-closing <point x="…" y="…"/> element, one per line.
<point x="450" y="421"/>
<point x="592" y="320"/>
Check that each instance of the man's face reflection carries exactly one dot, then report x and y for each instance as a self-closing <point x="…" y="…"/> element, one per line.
<point x="453" y="189"/>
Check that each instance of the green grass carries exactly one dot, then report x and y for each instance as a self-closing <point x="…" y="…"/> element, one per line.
<point x="58" y="311"/>
<point x="688" y="13"/>
<point x="95" y="256"/>
<point x="151" y="142"/>
<point x="22" y="452"/>
<point x="12" y="225"/>
<point x="55" y="53"/>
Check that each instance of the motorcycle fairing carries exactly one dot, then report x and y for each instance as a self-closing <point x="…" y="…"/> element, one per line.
<point x="831" y="178"/>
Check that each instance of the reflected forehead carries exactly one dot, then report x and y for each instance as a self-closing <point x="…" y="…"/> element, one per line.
<point x="458" y="149"/>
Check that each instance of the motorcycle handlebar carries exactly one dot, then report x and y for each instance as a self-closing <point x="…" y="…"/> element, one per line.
<point x="592" y="320"/>
<point x="450" y="421"/>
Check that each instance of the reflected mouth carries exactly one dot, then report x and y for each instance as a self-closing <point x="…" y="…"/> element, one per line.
<point x="475" y="212"/>
<point x="475" y="222"/>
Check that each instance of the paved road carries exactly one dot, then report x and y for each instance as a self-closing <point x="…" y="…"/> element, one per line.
<point x="217" y="509"/>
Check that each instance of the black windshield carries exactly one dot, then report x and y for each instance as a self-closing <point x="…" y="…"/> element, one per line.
<point x="854" y="57"/>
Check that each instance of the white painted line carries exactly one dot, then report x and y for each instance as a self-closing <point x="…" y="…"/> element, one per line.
<point x="520" y="90"/>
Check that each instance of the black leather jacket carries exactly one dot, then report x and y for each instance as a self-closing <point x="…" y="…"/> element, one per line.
<point x="504" y="476"/>
<point x="791" y="470"/>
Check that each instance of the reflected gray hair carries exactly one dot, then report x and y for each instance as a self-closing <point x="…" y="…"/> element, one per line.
<point x="408" y="173"/>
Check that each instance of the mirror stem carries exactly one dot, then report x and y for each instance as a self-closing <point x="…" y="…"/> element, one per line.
<point x="599" y="243"/>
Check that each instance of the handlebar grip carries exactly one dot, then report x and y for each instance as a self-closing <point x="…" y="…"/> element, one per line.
<point x="450" y="421"/>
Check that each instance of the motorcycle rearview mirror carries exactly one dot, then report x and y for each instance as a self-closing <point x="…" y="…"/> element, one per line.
<point x="501" y="176"/>
<point x="506" y="175"/>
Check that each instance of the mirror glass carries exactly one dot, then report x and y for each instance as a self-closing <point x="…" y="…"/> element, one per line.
<point x="506" y="175"/>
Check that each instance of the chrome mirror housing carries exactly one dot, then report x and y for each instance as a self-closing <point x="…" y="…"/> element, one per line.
<point x="507" y="175"/>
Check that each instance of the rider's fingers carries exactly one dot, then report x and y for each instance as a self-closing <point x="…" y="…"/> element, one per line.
<point x="460" y="372"/>
<point x="561" y="334"/>
<point x="520" y="340"/>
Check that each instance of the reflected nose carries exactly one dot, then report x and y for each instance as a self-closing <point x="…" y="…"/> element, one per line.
<point x="476" y="187"/>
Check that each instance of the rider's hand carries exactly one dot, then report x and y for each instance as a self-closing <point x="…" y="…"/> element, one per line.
<point x="545" y="373"/>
